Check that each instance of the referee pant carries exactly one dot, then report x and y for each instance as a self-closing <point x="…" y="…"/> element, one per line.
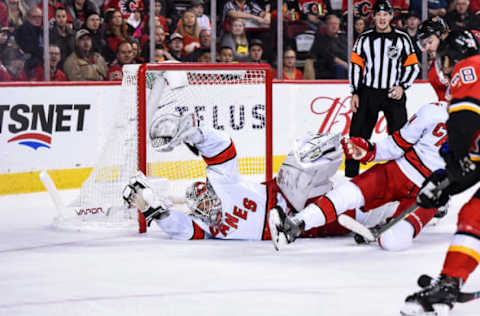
<point x="372" y="101"/>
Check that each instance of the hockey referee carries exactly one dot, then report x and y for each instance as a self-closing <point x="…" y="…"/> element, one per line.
<point x="383" y="65"/>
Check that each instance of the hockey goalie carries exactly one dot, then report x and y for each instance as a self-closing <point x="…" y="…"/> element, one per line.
<point x="227" y="205"/>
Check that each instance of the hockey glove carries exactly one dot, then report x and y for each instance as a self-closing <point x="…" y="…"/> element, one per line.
<point x="139" y="194"/>
<point x="462" y="172"/>
<point x="169" y="131"/>
<point x="434" y="192"/>
<point x="359" y="149"/>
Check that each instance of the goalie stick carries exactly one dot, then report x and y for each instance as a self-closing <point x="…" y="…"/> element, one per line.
<point x="371" y="235"/>
<point x="463" y="297"/>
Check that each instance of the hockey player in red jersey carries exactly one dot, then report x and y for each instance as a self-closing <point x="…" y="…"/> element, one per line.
<point x="459" y="52"/>
<point x="412" y="154"/>
<point x="430" y="33"/>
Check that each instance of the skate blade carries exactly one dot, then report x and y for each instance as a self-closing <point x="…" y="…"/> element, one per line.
<point x="279" y="239"/>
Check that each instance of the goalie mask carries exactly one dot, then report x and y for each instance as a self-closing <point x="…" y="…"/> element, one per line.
<point x="204" y="203"/>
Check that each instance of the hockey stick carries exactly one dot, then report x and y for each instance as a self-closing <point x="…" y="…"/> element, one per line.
<point x="370" y="235"/>
<point x="53" y="192"/>
<point x="463" y="297"/>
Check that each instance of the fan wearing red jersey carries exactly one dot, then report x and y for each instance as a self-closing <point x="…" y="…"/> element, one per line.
<point x="459" y="58"/>
<point x="412" y="154"/>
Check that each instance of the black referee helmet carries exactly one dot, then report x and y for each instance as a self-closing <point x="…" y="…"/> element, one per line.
<point x="382" y="5"/>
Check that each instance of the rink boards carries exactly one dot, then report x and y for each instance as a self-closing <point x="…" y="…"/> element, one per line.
<point x="63" y="128"/>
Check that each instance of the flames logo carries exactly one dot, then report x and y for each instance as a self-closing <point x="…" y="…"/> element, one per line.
<point x="128" y="6"/>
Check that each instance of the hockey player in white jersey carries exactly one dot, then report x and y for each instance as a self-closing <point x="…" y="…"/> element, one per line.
<point x="411" y="154"/>
<point x="227" y="205"/>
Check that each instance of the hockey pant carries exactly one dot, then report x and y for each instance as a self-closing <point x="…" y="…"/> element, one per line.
<point x="377" y="186"/>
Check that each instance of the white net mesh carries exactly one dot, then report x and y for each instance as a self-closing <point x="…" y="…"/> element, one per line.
<point x="233" y="101"/>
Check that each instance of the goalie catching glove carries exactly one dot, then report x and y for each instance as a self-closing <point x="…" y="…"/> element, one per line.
<point x="169" y="131"/>
<point x="139" y="194"/>
<point x="359" y="149"/>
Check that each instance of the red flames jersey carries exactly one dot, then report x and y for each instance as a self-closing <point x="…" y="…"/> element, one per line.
<point x="438" y="80"/>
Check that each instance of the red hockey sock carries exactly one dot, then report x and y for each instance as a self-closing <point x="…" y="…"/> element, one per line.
<point x="458" y="264"/>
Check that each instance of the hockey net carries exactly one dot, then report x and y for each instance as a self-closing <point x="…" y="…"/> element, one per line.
<point x="234" y="98"/>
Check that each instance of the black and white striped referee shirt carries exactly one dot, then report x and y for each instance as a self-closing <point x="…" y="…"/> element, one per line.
<point x="383" y="60"/>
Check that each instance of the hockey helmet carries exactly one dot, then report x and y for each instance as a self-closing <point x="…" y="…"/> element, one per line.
<point x="458" y="45"/>
<point x="382" y="5"/>
<point x="204" y="203"/>
<point x="433" y="26"/>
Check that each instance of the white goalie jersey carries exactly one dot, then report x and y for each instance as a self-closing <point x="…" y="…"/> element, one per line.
<point x="244" y="203"/>
<point x="415" y="146"/>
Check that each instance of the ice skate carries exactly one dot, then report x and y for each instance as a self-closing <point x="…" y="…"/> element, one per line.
<point x="436" y="299"/>
<point x="284" y="230"/>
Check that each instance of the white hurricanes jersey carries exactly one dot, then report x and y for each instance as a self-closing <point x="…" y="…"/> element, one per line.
<point x="415" y="146"/>
<point x="244" y="202"/>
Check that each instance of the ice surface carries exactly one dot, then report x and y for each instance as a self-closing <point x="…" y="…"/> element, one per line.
<point x="44" y="271"/>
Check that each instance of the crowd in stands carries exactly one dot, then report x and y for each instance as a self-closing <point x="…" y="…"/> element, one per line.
<point x="92" y="39"/>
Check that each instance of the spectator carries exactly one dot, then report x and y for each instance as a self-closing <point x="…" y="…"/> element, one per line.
<point x="175" y="47"/>
<point x="331" y="51"/>
<point x="243" y="9"/>
<point x="474" y="7"/>
<point x="61" y="34"/>
<point x="124" y="57"/>
<point x="6" y="40"/>
<point x="84" y="63"/>
<point x="411" y="27"/>
<point x="256" y="51"/>
<point x="226" y="55"/>
<point x="312" y="12"/>
<point x="160" y="44"/>
<point x="92" y="24"/>
<point x="137" y="53"/>
<point x="79" y="10"/>
<point x="205" y="40"/>
<point x="16" y="14"/>
<point x="190" y="30"/>
<point x="290" y="72"/>
<point x="13" y="64"/>
<point x="52" y="7"/>
<point x="202" y="55"/>
<point x="159" y="4"/>
<point x="3" y="14"/>
<point x="29" y="38"/>
<point x="236" y="39"/>
<point x="400" y="9"/>
<point x="203" y="20"/>
<point x="56" y="74"/>
<point x="461" y="17"/>
<point x="116" y="32"/>
<point x="358" y="27"/>
<point x="435" y="7"/>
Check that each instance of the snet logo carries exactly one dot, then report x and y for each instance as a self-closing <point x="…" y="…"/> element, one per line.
<point x="33" y="125"/>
